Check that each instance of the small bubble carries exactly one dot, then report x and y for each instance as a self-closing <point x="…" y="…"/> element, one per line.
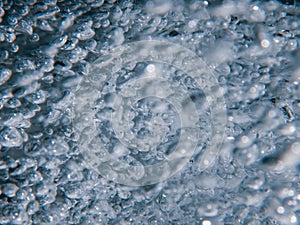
<point x="272" y="114"/>
<point x="245" y="139"/>
<point x="2" y="12"/>
<point x="2" y="37"/>
<point x="296" y="148"/>
<point x="23" y="26"/>
<point x="5" y="74"/>
<point x="34" y="37"/>
<point x="265" y="43"/>
<point x="14" y="48"/>
<point x="150" y="68"/>
<point x="10" y="137"/>
<point x="293" y="219"/>
<point x="192" y="24"/>
<point x="44" y="25"/>
<point x="9" y="189"/>
<point x="280" y="210"/>
<point x="206" y="222"/>
<point x="105" y="23"/>
<point x="12" y="20"/>
<point x="13" y="103"/>
<point x="84" y="33"/>
<point x="10" y="37"/>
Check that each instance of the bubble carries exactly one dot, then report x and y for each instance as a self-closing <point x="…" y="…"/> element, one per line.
<point x="84" y="33"/>
<point x="150" y="68"/>
<point x="32" y="207"/>
<point x="34" y="37"/>
<point x="23" y="26"/>
<point x="293" y="219"/>
<point x="47" y="14"/>
<point x="38" y="97"/>
<point x="253" y="49"/>
<point x="61" y="41"/>
<point x="12" y="20"/>
<point x="144" y="138"/>
<point x="10" y="137"/>
<point x="56" y="146"/>
<point x="97" y="3"/>
<point x="9" y="189"/>
<point x="265" y="43"/>
<point x="14" y="48"/>
<point x="206" y="222"/>
<point x="5" y="74"/>
<point x="10" y="37"/>
<point x="44" y="25"/>
<point x="105" y="23"/>
<point x="280" y="210"/>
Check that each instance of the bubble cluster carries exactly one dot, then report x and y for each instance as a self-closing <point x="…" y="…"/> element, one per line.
<point x="47" y="48"/>
<point x="132" y="106"/>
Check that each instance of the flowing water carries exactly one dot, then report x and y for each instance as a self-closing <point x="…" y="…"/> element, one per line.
<point x="149" y="112"/>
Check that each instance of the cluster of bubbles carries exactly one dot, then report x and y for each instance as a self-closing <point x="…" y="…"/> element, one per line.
<point x="46" y="47"/>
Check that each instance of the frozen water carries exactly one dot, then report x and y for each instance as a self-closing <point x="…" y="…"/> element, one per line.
<point x="48" y="48"/>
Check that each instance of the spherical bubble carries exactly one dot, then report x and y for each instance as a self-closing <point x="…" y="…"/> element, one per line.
<point x="10" y="137"/>
<point x="141" y="139"/>
<point x="5" y="74"/>
<point x="9" y="189"/>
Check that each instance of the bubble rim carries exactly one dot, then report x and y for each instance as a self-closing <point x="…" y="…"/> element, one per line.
<point x="180" y="57"/>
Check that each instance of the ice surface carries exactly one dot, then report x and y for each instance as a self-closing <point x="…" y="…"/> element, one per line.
<point x="47" y="49"/>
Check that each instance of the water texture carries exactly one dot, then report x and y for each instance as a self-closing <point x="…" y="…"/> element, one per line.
<point x="59" y="102"/>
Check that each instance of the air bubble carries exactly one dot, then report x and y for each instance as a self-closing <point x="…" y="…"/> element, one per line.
<point x="10" y="137"/>
<point x="84" y="33"/>
<point x="9" y="189"/>
<point x="5" y="74"/>
<point x="34" y="37"/>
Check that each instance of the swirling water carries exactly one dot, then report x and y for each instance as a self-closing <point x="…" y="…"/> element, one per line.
<point x="252" y="47"/>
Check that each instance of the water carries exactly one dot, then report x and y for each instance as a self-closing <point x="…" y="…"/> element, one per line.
<point x="48" y="50"/>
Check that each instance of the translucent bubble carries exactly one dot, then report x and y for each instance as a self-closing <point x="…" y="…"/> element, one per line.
<point x="4" y="54"/>
<point x="143" y="137"/>
<point x="10" y="137"/>
<point x="9" y="189"/>
<point x="5" y="74"/>
<point x="34" y="37"/>
<point x="44" y="25"/>
<point x="47" y="14"/>
<point x="12" y="20"/>
<point x="10" y="37"/>
<point x="23" y="26"/>
<point x="56" y="146"/>
<point x="97" y="3"/>
<point x="14" y="48"/>
<point x="32" y="207"/>
<point x="84" y="33"/>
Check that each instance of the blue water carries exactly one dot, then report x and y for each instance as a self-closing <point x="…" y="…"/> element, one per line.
<point x="47" y="51"/>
